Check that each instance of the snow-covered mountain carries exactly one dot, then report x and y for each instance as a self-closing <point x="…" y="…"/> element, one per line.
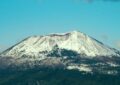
<point x="72" y="50"/>
<point x="74" y="40"/>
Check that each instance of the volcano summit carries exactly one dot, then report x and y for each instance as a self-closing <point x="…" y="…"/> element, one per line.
<point x="72" y="50"/>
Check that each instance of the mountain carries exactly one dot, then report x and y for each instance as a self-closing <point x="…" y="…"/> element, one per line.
<point x="74" y="40"/>
<point x="72" y="50"/>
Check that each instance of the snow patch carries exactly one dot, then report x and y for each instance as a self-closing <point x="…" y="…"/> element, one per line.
<point x="83" y="68"/>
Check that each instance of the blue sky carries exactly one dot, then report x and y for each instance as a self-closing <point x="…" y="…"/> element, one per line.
<point x="22" y="18"/>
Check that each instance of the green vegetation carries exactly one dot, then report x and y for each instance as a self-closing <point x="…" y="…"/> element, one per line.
<point x="55" y="77"/>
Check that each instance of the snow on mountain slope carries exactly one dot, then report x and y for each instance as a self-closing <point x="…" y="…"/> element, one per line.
<point x="75" y="40"/>
<point x="72" y="50"/>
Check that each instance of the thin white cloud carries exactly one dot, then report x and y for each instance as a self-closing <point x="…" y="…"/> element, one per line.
<point x="117" y="44"/>
<point x="104" y="37"/>
<point x="3" y="47"/>
<point x="98" y="0"/>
